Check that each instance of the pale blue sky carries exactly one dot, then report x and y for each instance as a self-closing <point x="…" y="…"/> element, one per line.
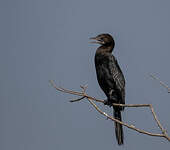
<point x="43" y="40"/>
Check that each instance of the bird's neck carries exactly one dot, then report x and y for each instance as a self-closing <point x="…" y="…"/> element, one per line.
<point x="105" y="49"/>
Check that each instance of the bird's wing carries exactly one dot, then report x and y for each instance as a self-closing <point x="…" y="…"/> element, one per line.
<point x="117" y="77"/>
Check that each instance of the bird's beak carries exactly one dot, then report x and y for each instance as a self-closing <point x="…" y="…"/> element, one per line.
<point x="93" y="38"/>
<point x="96" y="40"/>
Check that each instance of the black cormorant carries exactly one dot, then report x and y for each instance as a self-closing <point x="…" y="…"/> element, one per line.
<point x="110" y="78"/>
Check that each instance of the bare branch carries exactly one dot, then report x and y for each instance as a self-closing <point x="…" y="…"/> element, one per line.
<point x="125" y="124"/>
<point x="91" y="99"/>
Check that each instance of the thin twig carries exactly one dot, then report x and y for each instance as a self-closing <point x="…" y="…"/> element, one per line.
<point x="161" y="83"/>
<point x="91" y="99"/>
<point x="78" y="99"/>
<point x="156" y="119"/>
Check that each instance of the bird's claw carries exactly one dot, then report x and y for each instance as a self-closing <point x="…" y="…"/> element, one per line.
<point x="106" y="102"/>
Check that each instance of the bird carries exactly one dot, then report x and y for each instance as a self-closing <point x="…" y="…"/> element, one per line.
<point x="110" y="78"/>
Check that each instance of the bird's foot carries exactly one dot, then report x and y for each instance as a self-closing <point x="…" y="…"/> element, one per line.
<point x="106" y="102"/>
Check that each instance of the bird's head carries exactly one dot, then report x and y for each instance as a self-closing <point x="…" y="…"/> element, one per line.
<point x="103" y="39"/>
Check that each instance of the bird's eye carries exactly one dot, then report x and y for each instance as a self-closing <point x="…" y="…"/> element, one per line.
<point x="102" y="38"/>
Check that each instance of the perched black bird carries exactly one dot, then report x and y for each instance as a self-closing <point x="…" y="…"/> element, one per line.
<point x="110" y="78"/>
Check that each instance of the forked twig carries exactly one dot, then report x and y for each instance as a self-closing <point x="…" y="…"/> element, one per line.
<point x="91" y="99"/>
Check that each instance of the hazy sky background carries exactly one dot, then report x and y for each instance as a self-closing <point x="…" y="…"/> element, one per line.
<point x="43" y="40"/>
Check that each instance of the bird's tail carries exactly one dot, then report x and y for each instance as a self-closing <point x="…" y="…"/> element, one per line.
<point x="118" y="127"/>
